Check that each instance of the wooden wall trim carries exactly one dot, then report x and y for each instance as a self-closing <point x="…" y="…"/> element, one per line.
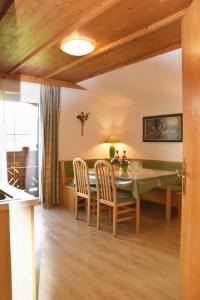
<point x="129" y="158"/>
<point x="53" y="82"/>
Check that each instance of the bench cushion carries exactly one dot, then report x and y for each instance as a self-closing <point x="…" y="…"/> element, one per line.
<point x="148" y="164"/>
<point x="161" y="165"/>
<point x="68" y="166"/>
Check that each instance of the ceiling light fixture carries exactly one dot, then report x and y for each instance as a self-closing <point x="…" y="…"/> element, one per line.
<point x="77" y="47"/>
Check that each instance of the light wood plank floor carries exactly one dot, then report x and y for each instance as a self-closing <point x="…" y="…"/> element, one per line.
<point x="82" y="263"/>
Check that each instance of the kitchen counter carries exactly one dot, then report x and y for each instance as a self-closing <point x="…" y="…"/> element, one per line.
<point x="18" y="197"/>
<point x="17" y="251"/>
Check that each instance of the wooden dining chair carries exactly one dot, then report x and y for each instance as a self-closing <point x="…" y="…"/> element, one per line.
<point x="123" y="205"/>
<point x="83" y="190"/>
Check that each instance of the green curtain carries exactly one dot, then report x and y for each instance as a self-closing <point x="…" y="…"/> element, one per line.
<point x="49" y="120"/>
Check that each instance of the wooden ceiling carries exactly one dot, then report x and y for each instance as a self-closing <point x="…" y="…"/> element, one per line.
<point x="124" y="32"/>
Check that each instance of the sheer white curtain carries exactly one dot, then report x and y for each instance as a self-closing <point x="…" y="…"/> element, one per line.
<point x="3" y="159"/>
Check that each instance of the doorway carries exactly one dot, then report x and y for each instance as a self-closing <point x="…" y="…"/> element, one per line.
<point x="21" y="145"/>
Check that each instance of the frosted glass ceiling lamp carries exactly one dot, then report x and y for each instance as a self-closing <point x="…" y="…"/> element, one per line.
<point x="77" y="47"/>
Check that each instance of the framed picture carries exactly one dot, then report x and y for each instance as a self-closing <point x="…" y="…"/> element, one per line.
<point x="165" y="128"/>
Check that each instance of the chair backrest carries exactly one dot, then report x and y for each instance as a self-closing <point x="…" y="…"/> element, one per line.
<point x="81" y="178"/>
<point x="105" y="182"/>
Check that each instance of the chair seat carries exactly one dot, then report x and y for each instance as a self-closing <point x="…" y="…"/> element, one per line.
<point x="123" y="196"/>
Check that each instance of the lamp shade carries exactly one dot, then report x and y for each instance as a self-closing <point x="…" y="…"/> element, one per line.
<point x="77" y="47"/>
<point x="112" y="139"/>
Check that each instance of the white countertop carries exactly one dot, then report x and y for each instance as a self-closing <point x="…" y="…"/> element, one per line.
<point x="19" y="197"/>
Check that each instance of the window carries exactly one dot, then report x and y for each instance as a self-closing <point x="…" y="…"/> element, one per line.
<point x="21" y="145"/>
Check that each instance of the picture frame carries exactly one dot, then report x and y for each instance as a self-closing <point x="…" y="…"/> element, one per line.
<point x="163" y="128"/>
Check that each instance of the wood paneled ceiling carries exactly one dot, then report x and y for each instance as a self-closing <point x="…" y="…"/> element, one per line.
<point x="124" y="32"/>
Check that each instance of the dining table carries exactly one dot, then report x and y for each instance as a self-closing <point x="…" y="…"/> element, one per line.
<point x="143" y="180"/>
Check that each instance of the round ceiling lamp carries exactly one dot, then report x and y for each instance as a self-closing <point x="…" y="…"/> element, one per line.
<point x="77" y="47"/>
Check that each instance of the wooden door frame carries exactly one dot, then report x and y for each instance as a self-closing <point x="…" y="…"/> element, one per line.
<point x="190" y="221"/>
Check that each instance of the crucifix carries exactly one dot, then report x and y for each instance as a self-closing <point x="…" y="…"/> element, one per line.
<point x="83" y="118"/>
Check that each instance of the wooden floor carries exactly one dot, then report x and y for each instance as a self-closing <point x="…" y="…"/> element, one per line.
<point x="82" y="263"/>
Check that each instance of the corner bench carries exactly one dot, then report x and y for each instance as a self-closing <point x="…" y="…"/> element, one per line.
<point x="67" y="191"/>
<point x="158" y="195"/>
<point x="171" y="197"/>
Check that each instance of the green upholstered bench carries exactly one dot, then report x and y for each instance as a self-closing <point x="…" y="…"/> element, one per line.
<point x="159" y="195"/>
<point x="156" y="195"/>
<point x="66" y="182"/>
<point x="148" y="164"/>
<point x="68" y="166"/>
<point x="161" y="165"/>
<point x="165" y="165"/>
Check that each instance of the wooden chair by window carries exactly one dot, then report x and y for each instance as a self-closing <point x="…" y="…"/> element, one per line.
<point x="83" y="190"/>
<point x="123" y="205"/>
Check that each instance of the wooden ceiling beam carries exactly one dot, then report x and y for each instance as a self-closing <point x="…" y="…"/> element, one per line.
<point x="131" y="37"/>
<point x="53" y="82"/>
<point x="93" y="13"/>
<point x="133" y="61"/>
<point x="6" y="7"/>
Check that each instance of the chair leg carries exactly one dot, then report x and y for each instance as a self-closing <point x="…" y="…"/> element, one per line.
<point x="76" y="207"/>
<point x="93" y="205"/>
<point x="86" y="203"/>
<point x="98" y="215"/>
<point x="88" y="211"/>
<point x="138" y="215"/>
<point x="114" y="221"/>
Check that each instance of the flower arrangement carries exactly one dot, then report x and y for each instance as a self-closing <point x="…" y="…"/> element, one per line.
<point x="121" y="163"/>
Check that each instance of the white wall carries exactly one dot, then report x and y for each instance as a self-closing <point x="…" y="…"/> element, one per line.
<point x="117" y="101"/>
<point x="29" y="92"/>
<point x="128" y="124"/>
<point x="125" y="121"/>
<point x="97" y="127"/>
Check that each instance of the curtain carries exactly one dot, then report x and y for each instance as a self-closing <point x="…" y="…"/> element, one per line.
<point x="3" y="155"/>
<point x="49" y="120"/>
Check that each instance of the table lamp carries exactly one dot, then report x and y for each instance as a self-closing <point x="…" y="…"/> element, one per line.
<point x="112" y="140"/>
